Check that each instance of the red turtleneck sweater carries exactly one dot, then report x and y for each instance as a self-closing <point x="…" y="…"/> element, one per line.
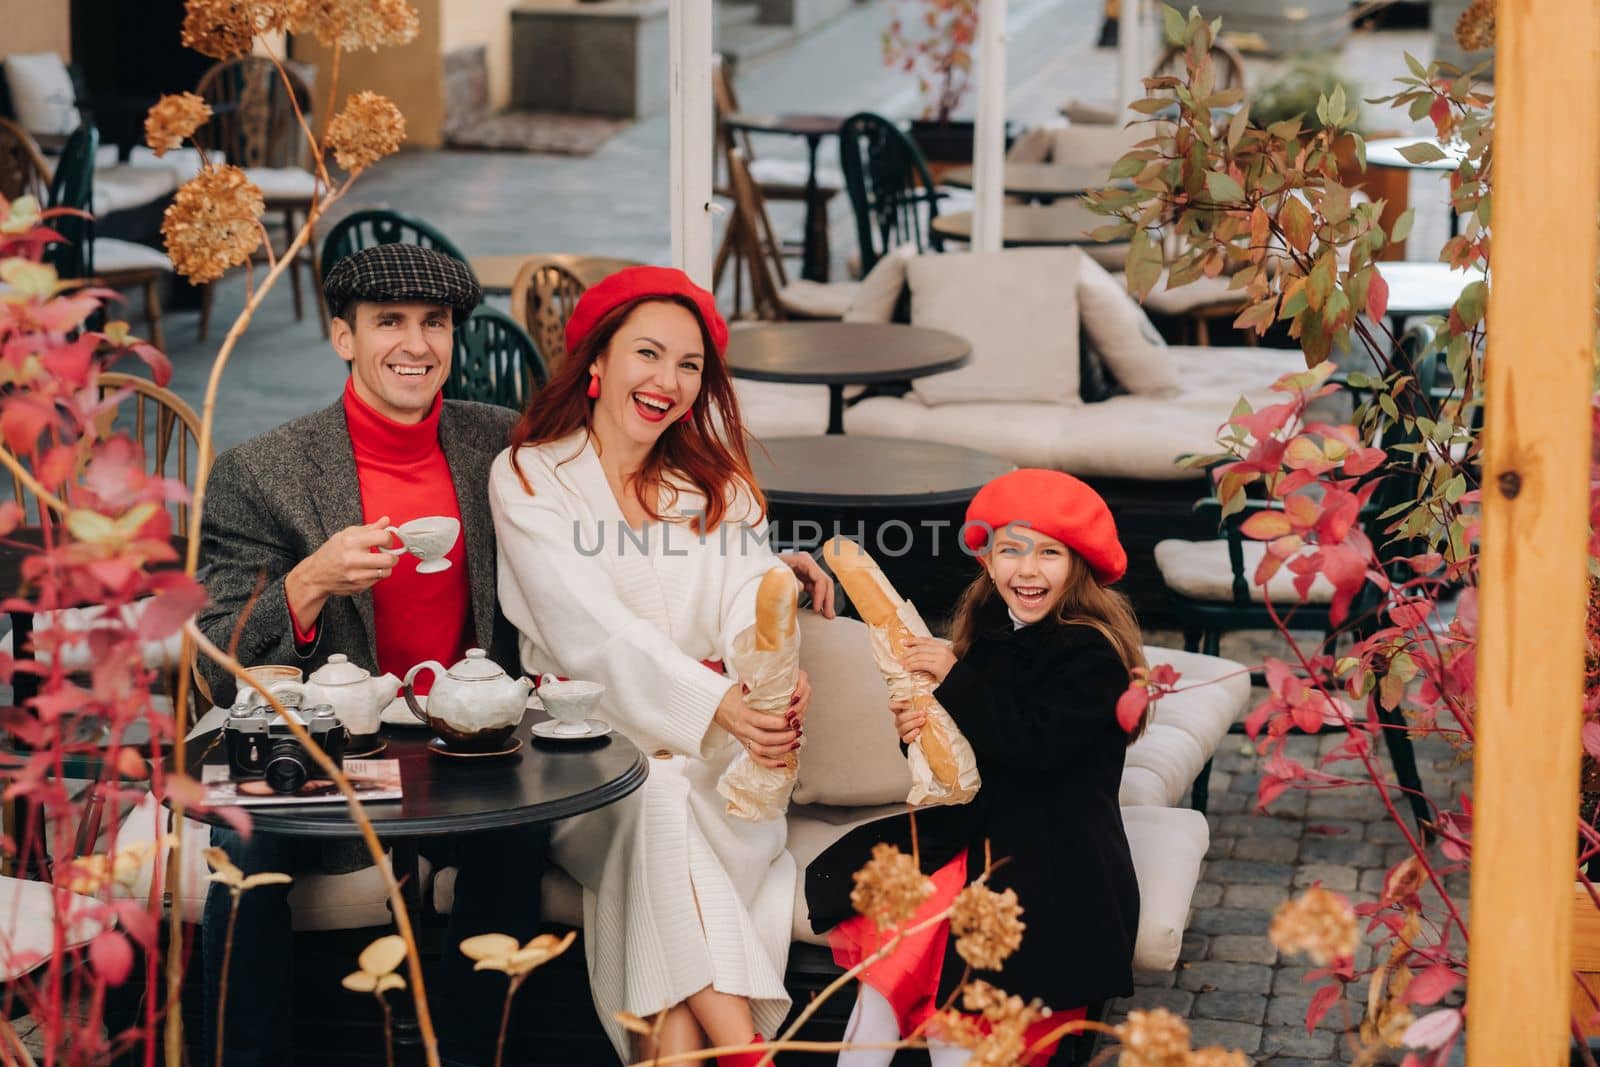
<point x="402" y="473"/>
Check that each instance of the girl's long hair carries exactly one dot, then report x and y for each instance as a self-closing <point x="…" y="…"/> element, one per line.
<point x="1084" y="602"/>
<point x="706" y="450"/>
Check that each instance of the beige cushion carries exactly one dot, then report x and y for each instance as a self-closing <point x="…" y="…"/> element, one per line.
<point x="1090" y="112"/>
<point x="1096" y="145"/>
<point x="1018" y="310"/>
<point x="1032" y="147"/>
<point x="113" y="254"/>
<point x="851" y="755"/>
<point x="183" y="162"/>
<point x="27" y="924"/>
<point x="75" y="654"/>
<point x="283" y="183"/>
<point x="120" y="187"/>
<point x="770" y="170"/>
<point x="881" y="288"/>
<point x="319" y="901"/>
<point x="819" y="300"/>
<point x="1186" y="728"/>
<point x="42" y="98"/>
<point x="774" y="409"/>
<point x="1112" y="257"/>
<point x="1133" y="351"/>
<point x="1201" y="570"/>
<point x="1123" y="437"/>
<point x="1168" y="846"/>
<point x="1202" y="293"/>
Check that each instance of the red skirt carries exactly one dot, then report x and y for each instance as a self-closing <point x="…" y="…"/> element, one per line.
<point x="909" y="976"/>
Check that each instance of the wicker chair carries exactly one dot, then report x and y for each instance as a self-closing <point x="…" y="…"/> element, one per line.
<point x="542" y="299"/>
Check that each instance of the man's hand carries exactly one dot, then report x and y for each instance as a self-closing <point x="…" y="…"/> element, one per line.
<point x="814" y="579"/>
<point x="351" y="561"/>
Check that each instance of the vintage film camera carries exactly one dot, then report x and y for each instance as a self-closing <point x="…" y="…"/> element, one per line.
<point x="260" y="746"/>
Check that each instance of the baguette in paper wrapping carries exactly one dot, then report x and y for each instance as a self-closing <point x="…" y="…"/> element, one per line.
<point x="766" y="658"/>
<point x="944" y="769"/>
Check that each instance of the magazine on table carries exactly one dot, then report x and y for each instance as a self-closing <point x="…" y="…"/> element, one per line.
<point x="373" y="779"/>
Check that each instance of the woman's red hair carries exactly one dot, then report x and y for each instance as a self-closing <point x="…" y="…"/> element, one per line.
<point x="707" y="449"/>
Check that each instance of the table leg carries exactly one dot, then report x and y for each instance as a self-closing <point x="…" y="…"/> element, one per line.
<point x="836" y="409"/>
<point x="815" y="256"/>
<point x="27" y="823"/>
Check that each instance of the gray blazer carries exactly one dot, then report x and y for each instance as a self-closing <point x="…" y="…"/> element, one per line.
<point x="273" y="500"/>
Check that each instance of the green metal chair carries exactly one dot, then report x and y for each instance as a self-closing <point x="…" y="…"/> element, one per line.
<point x="890" y="186"/>
<point x="73" y="187"/>
<point x="380" y="226"/>
<point x="495" y="361"/>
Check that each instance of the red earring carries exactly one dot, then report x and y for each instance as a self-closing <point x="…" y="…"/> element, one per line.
<point x="686" y="416"/>
<point x="594" y="387"/>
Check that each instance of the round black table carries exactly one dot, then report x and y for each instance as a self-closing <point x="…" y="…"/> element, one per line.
<point x="1029" y="225"/>
<point x="1385" y="152"/>
<point x="840" y="354"/>
<point x="814" y="260"/>
<point x="542" y="782"/>
<point x="903" y="500"/>
<point x="1044" y="182"/>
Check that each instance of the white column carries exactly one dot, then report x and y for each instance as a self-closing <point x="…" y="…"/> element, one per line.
<point x="1133" y="62"/>
<point x="689" y="68"/>
<point x="989" y="142"/>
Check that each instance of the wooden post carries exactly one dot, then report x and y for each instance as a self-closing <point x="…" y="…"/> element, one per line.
<point x="1539" y="376"/>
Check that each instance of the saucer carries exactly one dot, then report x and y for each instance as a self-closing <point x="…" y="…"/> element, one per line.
<point x="369" y="753"/>
<point x="433" y="566"/>
<point x="438" y="748"/>
<point x="546" y="730"/>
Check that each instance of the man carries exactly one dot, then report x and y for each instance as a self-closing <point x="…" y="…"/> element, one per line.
<point x="296" y="519"/>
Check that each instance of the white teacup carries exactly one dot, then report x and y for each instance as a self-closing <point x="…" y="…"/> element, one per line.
<point x="569" y="703"/>
<point x="428" y="538"/>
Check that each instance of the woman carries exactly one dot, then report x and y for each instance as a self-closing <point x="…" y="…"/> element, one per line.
<point x="631" y="541"/>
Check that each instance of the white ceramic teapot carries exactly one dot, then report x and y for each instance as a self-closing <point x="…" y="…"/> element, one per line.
<point x="472" y="707"/>
<point x="358" y="698"/>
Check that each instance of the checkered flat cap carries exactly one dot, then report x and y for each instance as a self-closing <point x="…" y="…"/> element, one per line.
<point x="391" y="273"/>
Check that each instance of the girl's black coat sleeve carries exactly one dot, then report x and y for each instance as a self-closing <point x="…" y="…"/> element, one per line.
<point x="1037" y="708"/>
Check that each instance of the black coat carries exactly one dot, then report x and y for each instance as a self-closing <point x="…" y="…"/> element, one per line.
<point x="1039" y="707"/>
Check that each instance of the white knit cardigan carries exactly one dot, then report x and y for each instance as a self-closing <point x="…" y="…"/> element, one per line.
<point x="677" y="896"/>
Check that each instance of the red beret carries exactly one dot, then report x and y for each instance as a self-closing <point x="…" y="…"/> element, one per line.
<point x="634" y="283"/>
<point x="1055" y="504"/>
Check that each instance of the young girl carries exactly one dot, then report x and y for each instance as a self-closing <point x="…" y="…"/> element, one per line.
<point x="1041" y="649"/>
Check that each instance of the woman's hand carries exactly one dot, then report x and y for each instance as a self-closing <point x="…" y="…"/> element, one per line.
<point x="908" y="722"/>
<point x="799" y="702"/>
<point x="814" y="579"/>
<point x="768" y="738"/>
<point x="928" y="655"/>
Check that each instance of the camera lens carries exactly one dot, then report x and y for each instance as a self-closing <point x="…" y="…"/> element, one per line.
<point x="287" y="768"/>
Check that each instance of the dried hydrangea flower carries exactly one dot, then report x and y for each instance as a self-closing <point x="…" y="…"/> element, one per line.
<point x="1008" y="1017"/>
<point x="987" y="926"/>
<point x="366" y="129"/>
<point x="890" y="888"/>
<point x="1319" y="923"/>
<point x="1155" y="1038"/>
<point x="213" y="223"/>
<point x="227" y="29"/>
<point x="352" y="24"/>
<point x="1475" y="27"/>
<point x="173" y="120"/>
<point x="1216" y="1056"/>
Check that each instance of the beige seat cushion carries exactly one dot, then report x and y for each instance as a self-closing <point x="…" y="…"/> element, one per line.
<point x="819" y="300"/>
<point x="1133" y="351"/>
<point x="880" y="290"/>
<point x="120" y="187"/>
<point x="1198" y="295"/>
<point x="1018" y="310"/>
<point x="851" y="755"/>
<point x="283" y="183"/>
<point x="1186" y="728"/>
<point x="771" y="170"/>
<point x="27" y="924"/>
<point x="775" y="409"/>
<point x="1201" y="570"/>
<point x="1095" y="144"/>
<point x="113" y="254"/>
<point x="75" y="654"/>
